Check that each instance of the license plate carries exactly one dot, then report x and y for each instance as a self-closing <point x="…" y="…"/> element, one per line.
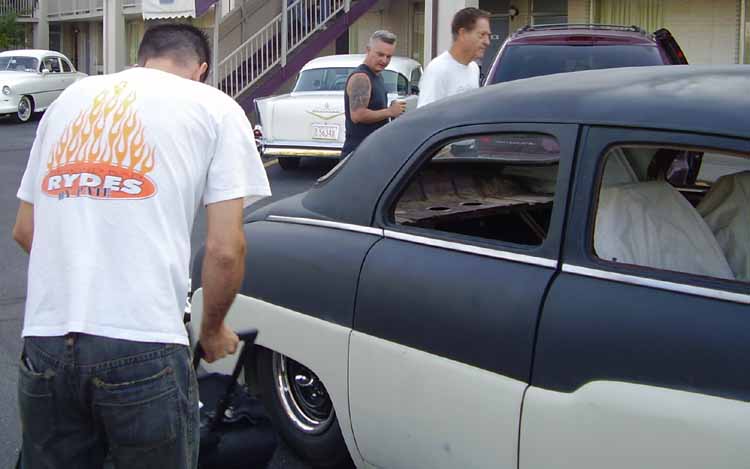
<point x="325" y="132"/>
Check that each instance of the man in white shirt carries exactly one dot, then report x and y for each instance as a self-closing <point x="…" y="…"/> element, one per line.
<point x="116" y="174"/>
<point x="455" y="71"/>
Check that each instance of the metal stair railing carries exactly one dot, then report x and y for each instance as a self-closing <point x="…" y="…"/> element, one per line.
<point x="21" y="8"/>
<point x="269" y="47"/>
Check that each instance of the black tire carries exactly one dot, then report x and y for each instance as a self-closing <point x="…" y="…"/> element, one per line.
<point x="289" y="162"/>
<point x="25" y="110"/>
<point x="325" y="448"/>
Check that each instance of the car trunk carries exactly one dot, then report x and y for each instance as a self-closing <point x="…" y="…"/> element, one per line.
<point x="308" y="117"/>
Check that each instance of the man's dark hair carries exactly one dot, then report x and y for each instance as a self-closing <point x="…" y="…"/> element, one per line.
<point x="467" y="18"/>
<point x="181" y="43"/>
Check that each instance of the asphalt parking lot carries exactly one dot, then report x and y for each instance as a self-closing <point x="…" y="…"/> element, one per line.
<point x="15" y="144"/>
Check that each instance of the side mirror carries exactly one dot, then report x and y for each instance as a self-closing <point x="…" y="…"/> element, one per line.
<point x="414" y="89"/>
<point x="45" y="72"/>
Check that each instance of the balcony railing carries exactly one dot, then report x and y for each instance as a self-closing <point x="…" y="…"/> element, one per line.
<point x="21" y="8"/>
<point x="58" y="9"/>
<point x="270" y="46"/>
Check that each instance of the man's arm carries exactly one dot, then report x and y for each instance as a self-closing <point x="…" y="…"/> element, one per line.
<point x="223" y="269"/>
<point x="359" y="90"/>
<point x="23" y="231"/>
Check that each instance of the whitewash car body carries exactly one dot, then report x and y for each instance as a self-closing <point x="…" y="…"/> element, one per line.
<point x="309" y="121"/>
<point x="30" y="80"/>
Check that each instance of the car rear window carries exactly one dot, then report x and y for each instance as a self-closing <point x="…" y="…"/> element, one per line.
<point x="525" y="61"/>
<point x="334" y="79"/>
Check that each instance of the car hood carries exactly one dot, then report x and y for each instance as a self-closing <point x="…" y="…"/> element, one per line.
<point x="8" y="77"/>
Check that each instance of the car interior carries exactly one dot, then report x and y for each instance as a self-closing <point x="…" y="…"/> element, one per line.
<point x="495" y="187"/>
<point x="675" y="209"/>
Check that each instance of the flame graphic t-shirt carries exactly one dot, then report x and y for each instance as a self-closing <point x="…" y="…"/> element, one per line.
<point x="117" y="171"/>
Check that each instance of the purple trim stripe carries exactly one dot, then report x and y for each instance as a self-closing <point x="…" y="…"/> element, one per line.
<point x="202" y="6"/>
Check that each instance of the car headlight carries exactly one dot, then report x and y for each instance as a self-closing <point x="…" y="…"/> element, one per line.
<point x="6" y="90"/>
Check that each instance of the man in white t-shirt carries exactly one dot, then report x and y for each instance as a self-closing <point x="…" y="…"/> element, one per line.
<point x="455" y="70"/>
<point x="117" y="171"/>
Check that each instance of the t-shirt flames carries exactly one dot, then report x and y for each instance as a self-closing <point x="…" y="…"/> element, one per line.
<point x="116" y="174"/>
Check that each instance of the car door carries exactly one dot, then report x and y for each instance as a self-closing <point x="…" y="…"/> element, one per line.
<point x="51" y="83"/>
<point x="68" y="75"/>
<point x="644" y="340"/>
<point x="447" y="302"/>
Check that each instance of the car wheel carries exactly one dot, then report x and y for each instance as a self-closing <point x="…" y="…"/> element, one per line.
<point x="301" y="410"/>
<point x="25" y="109"/>
<point x="289" y="162"/>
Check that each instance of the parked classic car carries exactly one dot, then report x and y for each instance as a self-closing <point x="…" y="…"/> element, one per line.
<point x="31" y="79"/>
<point x="574" y="294"/>
<point x="309" y="121"/>
<point x="559" y="48"/>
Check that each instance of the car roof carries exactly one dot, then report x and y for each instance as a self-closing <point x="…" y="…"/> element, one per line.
<point x="550" y="34"/>
<point x="704" y="99"/>
<point x="36" y="53"/>
<point x="403" y="65"/>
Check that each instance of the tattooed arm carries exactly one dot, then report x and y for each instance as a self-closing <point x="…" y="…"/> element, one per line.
<point x="359" y="90"/>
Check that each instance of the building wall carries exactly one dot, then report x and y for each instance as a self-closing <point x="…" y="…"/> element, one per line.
<point x="396" y="16"/>
<point x="707" y="30"/>
<point x="579" y="11"/>
<point x="244" y="21"/>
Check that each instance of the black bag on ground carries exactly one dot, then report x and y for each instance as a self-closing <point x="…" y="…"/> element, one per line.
<point x="235" y="431"/>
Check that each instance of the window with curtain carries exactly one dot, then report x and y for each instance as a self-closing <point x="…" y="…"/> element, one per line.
<point x="647" y="14"/>
<point x="135" y="31"/>
<point x="417" y="39"/>
<point x="746" y="59"/>
<point x="549" y="12"/>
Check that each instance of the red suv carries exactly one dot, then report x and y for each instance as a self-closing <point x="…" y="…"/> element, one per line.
<point x="544" y="50"/>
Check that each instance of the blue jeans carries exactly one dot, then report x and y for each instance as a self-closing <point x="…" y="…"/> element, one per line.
<point x="83" y="397"/>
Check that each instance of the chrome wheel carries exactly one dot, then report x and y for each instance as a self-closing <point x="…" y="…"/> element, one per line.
<point x="25" y="109"/>
<point x="302" y="395"/>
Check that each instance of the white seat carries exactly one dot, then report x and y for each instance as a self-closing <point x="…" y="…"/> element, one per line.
<point x="726" y="209"/>
<point x="650" y="224"/>
<point x="617" y="169"/>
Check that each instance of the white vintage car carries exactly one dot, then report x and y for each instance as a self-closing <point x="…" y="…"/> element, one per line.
<point x="309" y="121"/>
<point x="31" y="79"/>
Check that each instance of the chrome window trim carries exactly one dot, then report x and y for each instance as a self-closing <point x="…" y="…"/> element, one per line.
<point x="658" y="284"/>
<point x="327" y="224"/>
<point x="467" y="248"/>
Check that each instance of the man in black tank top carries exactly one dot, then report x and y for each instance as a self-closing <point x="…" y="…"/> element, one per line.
<point x="366" y="99"/>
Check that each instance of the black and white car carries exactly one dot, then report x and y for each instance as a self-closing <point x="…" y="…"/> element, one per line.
<point x="546" y="273"/>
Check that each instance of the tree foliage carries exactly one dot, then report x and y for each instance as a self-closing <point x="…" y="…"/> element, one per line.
<point x="11" y="32"/>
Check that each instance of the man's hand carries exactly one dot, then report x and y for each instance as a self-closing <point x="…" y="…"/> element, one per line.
<point x="217" y="345"/>
<point x="396" y="108"/>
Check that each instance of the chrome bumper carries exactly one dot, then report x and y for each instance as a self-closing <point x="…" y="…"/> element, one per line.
<point x="289" y="149"/>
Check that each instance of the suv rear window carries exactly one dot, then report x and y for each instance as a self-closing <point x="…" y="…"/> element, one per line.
<point x="525" y="61"/>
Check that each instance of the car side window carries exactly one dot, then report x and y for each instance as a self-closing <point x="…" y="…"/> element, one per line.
<point x="66" y="66"/>
<point x="676" y="209"/>
<point x="52" y="64"/>
<point x="497" y="186"/>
